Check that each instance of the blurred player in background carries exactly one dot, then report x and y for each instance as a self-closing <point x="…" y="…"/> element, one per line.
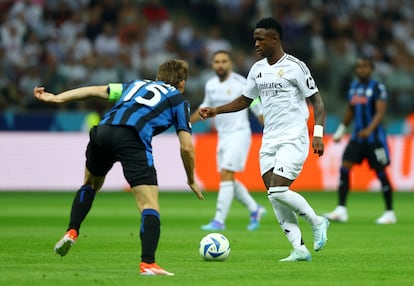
<point x="283" y="83"/>
<point x="142" y="110"/>
<point x="234" y="139"/>
<point x="367" y="106"/>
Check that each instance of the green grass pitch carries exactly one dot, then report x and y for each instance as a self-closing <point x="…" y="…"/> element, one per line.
<point x="107" y="251"/>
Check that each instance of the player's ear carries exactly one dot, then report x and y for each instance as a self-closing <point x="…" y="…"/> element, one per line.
<point x="181" y="85"/>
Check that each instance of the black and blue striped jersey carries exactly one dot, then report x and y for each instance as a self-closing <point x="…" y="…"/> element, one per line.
<point x="150" y="107"/>
<point x="363" y="96"/>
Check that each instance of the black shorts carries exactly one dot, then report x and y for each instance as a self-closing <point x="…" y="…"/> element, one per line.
<point x="376" y="154"/>
<point x="109" y="144"/>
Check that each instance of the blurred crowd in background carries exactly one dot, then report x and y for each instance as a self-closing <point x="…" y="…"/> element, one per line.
<point x="63" y="44"/>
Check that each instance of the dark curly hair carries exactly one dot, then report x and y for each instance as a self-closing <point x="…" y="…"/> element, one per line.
<point x="270" y="24"/>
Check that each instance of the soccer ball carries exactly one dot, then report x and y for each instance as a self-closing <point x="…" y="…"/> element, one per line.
<point x="214" y="247"/>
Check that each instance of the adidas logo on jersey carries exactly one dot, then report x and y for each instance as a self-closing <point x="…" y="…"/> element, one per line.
<point x="280" y="169"/>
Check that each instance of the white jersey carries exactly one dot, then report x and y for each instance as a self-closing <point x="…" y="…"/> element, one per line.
<point x="283" y="88"/>
<point x="219" y="93"/>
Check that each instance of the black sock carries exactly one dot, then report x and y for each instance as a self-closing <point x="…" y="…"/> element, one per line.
<point x="343" y="186"/>
<point x="386" y="189"/>
<point x="149" y="234"/>
<point x="81" y="205"/>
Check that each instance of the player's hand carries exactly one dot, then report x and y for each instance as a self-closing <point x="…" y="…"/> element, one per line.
<point x="364" y="133"/>
<point x="40" y="94"/>
<point x="317" y="145"/>
<point x="207" y="112"/>
<point x="197" y="191"/>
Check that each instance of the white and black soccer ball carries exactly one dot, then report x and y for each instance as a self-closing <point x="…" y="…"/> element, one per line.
<point x="214" y="247"/>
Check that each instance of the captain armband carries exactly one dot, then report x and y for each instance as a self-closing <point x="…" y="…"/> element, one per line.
<point x="114" y="91"/>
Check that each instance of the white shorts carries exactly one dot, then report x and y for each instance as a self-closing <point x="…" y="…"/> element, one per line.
<point x="233" y="149"/>
<point x="286" y="158"/>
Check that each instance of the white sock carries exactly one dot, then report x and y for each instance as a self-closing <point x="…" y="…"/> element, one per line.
<point x="242" y="194"/>
<point x="295" y="202"/>
<point x="288" y="221"/>
<point x="224" y="200"/>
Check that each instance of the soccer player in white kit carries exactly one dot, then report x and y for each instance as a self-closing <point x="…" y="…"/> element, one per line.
<point x="283" y="83"/>
<point x="234" y="139"/>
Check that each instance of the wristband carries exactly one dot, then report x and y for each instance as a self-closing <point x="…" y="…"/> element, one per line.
<point x="318" y="131"/>
<point x="340" y="131"/>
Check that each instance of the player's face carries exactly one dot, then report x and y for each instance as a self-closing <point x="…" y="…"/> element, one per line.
<point x="265" y="42"/>
<point x="363" y="69"/>
<point x="222" y="65"/>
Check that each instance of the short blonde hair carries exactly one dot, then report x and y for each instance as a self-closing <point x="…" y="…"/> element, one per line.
<point x="173" y="71"/>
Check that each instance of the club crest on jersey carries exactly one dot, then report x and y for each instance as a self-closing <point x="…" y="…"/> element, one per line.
<point x="280" y="73"/>
<point x="310" y="82"/>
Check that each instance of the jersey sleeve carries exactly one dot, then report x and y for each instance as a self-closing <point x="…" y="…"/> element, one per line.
<point x="382" y="92"/>
<point x="182" y="117"/>
<point x="250" y="90"/>
<point x="305" y="81"/>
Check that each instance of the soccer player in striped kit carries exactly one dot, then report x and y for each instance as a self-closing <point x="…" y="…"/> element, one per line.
<point x="143" y="109"/>
<point x="367" y="99"/>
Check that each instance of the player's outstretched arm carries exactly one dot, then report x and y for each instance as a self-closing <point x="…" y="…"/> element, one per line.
<point x="71" y="95"/>
<point x="237" y="104"/>
<point x="195" y="116"/>
<point x="187" y="156"/>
